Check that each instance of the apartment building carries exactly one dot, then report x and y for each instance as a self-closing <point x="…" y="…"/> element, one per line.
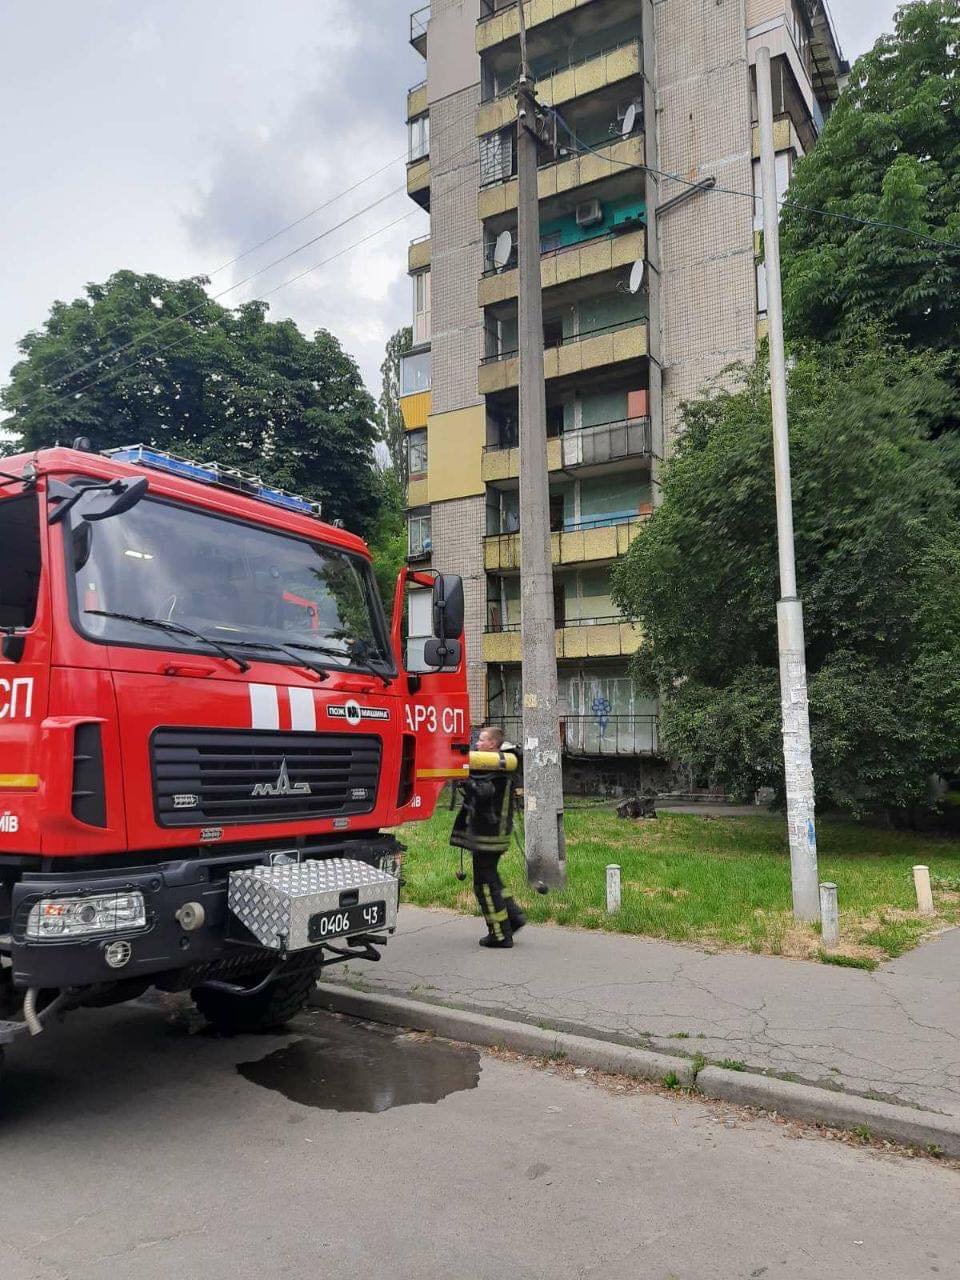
<point x="668" y="84"/>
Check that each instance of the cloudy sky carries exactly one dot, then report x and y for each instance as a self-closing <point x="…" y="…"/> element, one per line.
<point x="171" y="135"/>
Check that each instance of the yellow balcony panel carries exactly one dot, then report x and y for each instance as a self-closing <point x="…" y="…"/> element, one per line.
<point x="590" y="258"/>
<point x="418" y="176"/>
<point x="566" y="84"/>
<point x="417" y="101"/>
<point x="497" y="375"/>
<point x="418" y="491"/>
<point x="498" y="27"/>
<point x="418" y="255"/>
<point x="784" y="137"/>
<point x="555" y="179"/>
<point x="504" y="464"/>
<point x="500" y="646"/>
<point x="415" y="410"/>
<point x="501" y="552"/>
<point x="455" y="447"/>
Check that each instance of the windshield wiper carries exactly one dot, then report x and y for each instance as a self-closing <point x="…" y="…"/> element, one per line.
<point x="279" y="648"/>
<point x="356" y="664"/>
<point x="175" y="628"/>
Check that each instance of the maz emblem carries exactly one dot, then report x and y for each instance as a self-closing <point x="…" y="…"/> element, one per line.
<point x="283" y="786"/>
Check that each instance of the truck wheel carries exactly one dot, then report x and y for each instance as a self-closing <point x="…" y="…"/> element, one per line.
<point x="269" y="1010"/>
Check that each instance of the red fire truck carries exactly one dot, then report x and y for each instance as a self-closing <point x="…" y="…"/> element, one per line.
<point x="207" y="731"/>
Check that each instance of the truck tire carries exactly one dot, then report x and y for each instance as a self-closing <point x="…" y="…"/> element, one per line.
<point x="268" y="1010"/>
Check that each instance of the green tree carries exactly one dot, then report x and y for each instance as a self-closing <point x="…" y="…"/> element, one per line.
<point x="878" y="558"/>
<point x="388" y="537"/>
<point x="391" y="419"/>
<point x="194" y="378"/>
<point x="889" y="153"/>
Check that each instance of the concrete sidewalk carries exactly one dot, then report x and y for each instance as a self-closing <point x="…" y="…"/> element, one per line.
<point x="893" y="1034"/>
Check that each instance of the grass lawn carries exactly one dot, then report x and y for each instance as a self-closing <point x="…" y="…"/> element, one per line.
<point x="718" y="882"/>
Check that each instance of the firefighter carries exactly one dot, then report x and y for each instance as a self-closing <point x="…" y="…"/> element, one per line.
<point x="484" y="826"/>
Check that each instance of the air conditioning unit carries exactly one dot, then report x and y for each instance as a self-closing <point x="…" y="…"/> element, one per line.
<point x="589" y="213"/>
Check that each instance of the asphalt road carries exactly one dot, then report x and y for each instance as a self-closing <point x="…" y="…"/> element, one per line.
<point x="134" y="1144"/>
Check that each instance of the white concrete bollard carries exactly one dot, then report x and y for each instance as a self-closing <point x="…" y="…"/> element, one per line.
<point x="613" y="888"/>
<point x="921" y="881"/>
<point x="829" y="915"/>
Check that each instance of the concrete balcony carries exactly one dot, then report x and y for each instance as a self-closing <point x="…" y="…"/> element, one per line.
<point x="419" y="21"/>
<point x="592" y="448"/>
<point x="418" y="182"/>
<point x="581" y="544"/>
<point x="566" y="175"/>
<point x="562" y="266"/>
<point x="417" y="100"/>
<point x="590" y="638"/>
<point x="418" y="255"/>
<point x="418" y="491"/>
<point x="597" y="349"/>
<point x="500" y="21"/>
<point x="599" y="71"/>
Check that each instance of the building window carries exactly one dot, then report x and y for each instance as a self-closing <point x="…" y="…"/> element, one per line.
<point x="496" y="157"/>
<point x="20" y="569"/>
<point x="415" y="373"/>
<point x="419" y="138"/>
<point x="417" y="453"/>
<point x="419" y="539"/>
<point x="421" y="308"/>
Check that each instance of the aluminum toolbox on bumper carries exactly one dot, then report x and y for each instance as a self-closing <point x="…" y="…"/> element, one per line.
<point x="279" y="905"/>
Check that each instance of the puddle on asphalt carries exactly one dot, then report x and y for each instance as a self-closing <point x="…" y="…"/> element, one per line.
<point x="343" y="1066"/>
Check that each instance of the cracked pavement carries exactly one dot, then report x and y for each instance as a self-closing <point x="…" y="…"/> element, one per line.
<point x="893" y="1034"/>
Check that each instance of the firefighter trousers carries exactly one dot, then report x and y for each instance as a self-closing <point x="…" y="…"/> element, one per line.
<point x="498" y="909"/>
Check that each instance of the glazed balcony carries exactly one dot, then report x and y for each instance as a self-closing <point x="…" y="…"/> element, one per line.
<point x="596" y="540"/>
<point x="594" y="349"/>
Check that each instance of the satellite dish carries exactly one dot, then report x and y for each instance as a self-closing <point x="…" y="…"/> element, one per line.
<point x="629" y="120"/>
<point x="503" y="249"/>
<point x="637" y="272"/>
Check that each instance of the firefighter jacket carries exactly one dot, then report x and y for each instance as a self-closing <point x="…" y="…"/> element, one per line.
<point x="485" y="821"/>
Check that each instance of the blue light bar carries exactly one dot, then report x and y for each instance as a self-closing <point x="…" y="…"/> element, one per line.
<point x="140" y="455"/>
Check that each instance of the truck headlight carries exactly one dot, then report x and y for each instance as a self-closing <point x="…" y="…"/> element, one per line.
<point x="53" y="919"/>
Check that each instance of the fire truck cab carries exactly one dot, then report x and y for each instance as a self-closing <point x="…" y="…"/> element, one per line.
<point x="207" y="734"/>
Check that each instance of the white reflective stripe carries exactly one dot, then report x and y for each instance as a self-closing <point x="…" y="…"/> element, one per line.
<point x="264" y="706"/>
<point x="303" y="711"/>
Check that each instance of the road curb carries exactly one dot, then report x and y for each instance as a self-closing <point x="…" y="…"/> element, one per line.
<point x="478" y="1028"/>
<point x="907" y="1126"/>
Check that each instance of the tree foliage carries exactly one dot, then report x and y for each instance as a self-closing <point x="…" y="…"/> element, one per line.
<point x="391" y="419"/>
<point x="142" y="359"/>
<point x="878" y="559"/>
<point x="388" y="537"/>
<point x="889" y="152"/>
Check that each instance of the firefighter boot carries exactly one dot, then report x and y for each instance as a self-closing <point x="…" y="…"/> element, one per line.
<point x="514" y="915"/>
<point x="489" y="895"/>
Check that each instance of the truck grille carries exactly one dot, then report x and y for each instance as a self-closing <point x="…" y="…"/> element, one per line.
<point x="216" y="777"/>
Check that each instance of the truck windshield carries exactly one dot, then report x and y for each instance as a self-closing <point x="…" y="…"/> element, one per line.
<point x="230" y="581"/>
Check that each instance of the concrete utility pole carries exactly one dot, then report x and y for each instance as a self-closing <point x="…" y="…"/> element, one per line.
<point x="793" y="669"/>
<point x="542" y="768"/>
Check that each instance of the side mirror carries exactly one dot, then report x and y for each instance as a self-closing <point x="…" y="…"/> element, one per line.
<point x="119" y="495"/>
<point x="125" y="494"/>
<point x="448" y="607"/>
<point x="442" y="655"/>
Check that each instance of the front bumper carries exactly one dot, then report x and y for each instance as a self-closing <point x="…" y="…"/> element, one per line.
<point x="164" y="946"/>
